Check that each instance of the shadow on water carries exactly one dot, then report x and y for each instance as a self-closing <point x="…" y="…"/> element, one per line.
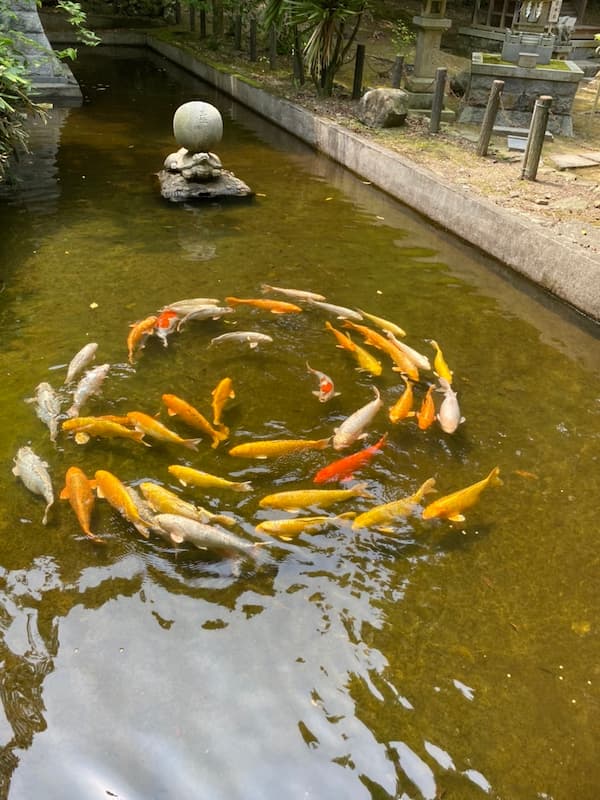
<point x="435" y="660"/>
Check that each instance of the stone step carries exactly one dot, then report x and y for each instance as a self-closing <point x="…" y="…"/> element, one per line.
<point x="506" y="130"/>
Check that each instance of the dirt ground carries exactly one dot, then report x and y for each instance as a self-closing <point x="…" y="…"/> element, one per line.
<point x="565" y="203"/>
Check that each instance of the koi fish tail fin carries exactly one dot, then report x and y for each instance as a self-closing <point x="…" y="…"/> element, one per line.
<point x="242" y="486"/>
<point x="142" y="528"/>
<point x="64" y="493"/>
<point x="220" y="436"/>
<point x="192" y="443"/>
<point x="46" y="510"/>
<point x="494" y="479"/>
<point x="362" y="491"/>
<point x="323" y="443"/>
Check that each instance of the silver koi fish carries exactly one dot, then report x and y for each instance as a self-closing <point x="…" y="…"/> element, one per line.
<point x="352" y="427"/>
<point x="34" y="473"/>
<point x="340" y="311"/>
<point x="80" y="360"/>
<point x="299" y="294"/>
<point x="87" y="386"/>
<point x="191" y="304"/>
<point x="205" y="312"/>
<point x="47" y="407"/>
<point x="251" y="338"/>
<point x="205" y="537"/>
<point x="449" y="415"/>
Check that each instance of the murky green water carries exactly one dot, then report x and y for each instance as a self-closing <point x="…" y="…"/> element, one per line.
<point x="455" y="661"/>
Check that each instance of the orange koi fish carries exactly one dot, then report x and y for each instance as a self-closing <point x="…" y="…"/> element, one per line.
<point x="222" y="392"/>
<point x="440" y="367"/>
<point x="277" y="447"/>
<point x="400" y="359"/>
<point x="114" y="492"/>
<point x="138" y="334"/>
<point x="191" y="416"/>
<point x="365" y="360"/>
<point x="402" y="408"/>
<point x="166" y="324"/>
<point x="326" y="388"/>
<point x="452" y="505"/>
<point x="156" y="430"/>
<point x="78" y="491"/>
<point x="344" y="468"/>
<point x="274" y="306"/>
<point x="426" y="414"/>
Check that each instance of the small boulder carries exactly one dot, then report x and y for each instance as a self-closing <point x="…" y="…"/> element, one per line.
<point x="383" y="108"/>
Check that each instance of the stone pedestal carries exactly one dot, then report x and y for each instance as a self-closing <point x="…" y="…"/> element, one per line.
<point x="419" y="85"/>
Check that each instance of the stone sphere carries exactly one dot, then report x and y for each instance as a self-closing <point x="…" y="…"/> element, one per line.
<point x="197" y="126"/>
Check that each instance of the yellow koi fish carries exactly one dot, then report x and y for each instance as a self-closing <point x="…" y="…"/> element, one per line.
<point x="78" y="491"/>
<point x="163" y="501"/>
<point x="452" y="505"/>
<point x="102" y="428"/>
<point x="156" y="430"/>
<point x="192" y="417"/>
<point x="222" y="392"/>
<point x="401" y="361"/>
<point x="114" y="492"/>
<point x="365" y="360"/>
<point x="440" y="367"/>
<point x="302" y="498"/>
<point x="384" y="324"/>
<point x="385" y="514"/>
<point x="194" y="477"/>
<point x="288" y="529"/>
<point x="277" y="447"/>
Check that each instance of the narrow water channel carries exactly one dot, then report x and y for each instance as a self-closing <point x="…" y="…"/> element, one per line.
<point x="433" y="659"/>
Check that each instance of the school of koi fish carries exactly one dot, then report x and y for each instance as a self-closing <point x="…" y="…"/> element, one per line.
<point x="156" y="509"/>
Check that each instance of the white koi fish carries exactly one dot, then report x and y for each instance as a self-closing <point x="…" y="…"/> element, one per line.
<point x="87" y="386"/>
<point x="251" y="338"/>
<point x="449" y="415"/>
<point x="418" y="359"/>
<point x="352" y="427"/>
<point x="80" y="360"/>
<point x="341" y="312"/>
<point x="34" y="474"/>
<point x="205" y="312"/>
<point x="47" y="407"/>
<point x="188" y="306"/>
<point x="205" y="537"/>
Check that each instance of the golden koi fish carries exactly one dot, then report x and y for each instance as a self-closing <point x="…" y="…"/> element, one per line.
<point x="163" y="501"/>
<point x="138" y="334"/>
<point x="274" y="306"/>
<point x="191" y="416"/>
<point x="277" y="447"/>
<point x="419" y="360"/>
<point x="85" y="427"/>
<point x="426" y="413"/>
<point x="384" y="324"/>
<point x="452" y="505"/>
<point x="400" y="359"/>
<point x="365" y="360"/>
<point x="440" y="367"/>
<point x="222" y="392"/>
<point x="114" y="492"/>
<point x="402" y="408"/>
<point x="194" y="477"/>
<point x="156" y="430"/>
<point x="288" y="529"/>
<point x="385" y="514"/>
<point x="302" y="498"/>
<point x="78" y="491"/>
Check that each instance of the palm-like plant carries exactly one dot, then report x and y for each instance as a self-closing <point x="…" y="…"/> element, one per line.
<point x="329" y="28"/>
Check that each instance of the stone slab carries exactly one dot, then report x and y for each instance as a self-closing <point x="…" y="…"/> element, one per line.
<point x="575" y="160"/>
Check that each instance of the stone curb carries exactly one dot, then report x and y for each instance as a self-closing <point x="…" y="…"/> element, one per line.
<point x="557" y="266"/>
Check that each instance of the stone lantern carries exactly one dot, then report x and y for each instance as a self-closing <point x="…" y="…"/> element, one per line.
<point x="430" y="25"/>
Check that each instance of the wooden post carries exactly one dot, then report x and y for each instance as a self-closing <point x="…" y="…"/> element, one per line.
<point x="359" y="65"/>
<point x="177" y="12"/>
<point x="489" y="117"/>
<point x="192" y="18"/>
<point x="397" y="72"/>
<point x="202" y="23"/>
<point x="437" y="103"/>
<point x="535" y="140"/>
<point x="237" y="32"/>
<point x="273" y="47"/>
<point x="253" y="27"/>
<point x="217" y="18"/>
<point x="297" y="60"/>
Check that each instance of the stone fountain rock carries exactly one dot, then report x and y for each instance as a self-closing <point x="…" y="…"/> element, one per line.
<point x="193" y="172"/>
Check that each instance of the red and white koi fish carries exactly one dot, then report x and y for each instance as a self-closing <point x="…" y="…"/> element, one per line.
<point x="165" y="324"/>
<point x="344" y="468"/>
<point x="326" y="388"/>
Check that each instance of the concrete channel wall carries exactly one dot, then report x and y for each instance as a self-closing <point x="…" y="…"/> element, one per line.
<point x="557" y="266"/>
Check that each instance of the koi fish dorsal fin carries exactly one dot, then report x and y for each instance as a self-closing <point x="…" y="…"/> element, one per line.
<point x="64" y="493"/>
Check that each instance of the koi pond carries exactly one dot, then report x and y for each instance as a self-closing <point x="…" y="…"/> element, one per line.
<point x="428" y="659"/>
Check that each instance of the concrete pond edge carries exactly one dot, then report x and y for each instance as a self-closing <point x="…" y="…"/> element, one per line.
<point x="555" y="265"/>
